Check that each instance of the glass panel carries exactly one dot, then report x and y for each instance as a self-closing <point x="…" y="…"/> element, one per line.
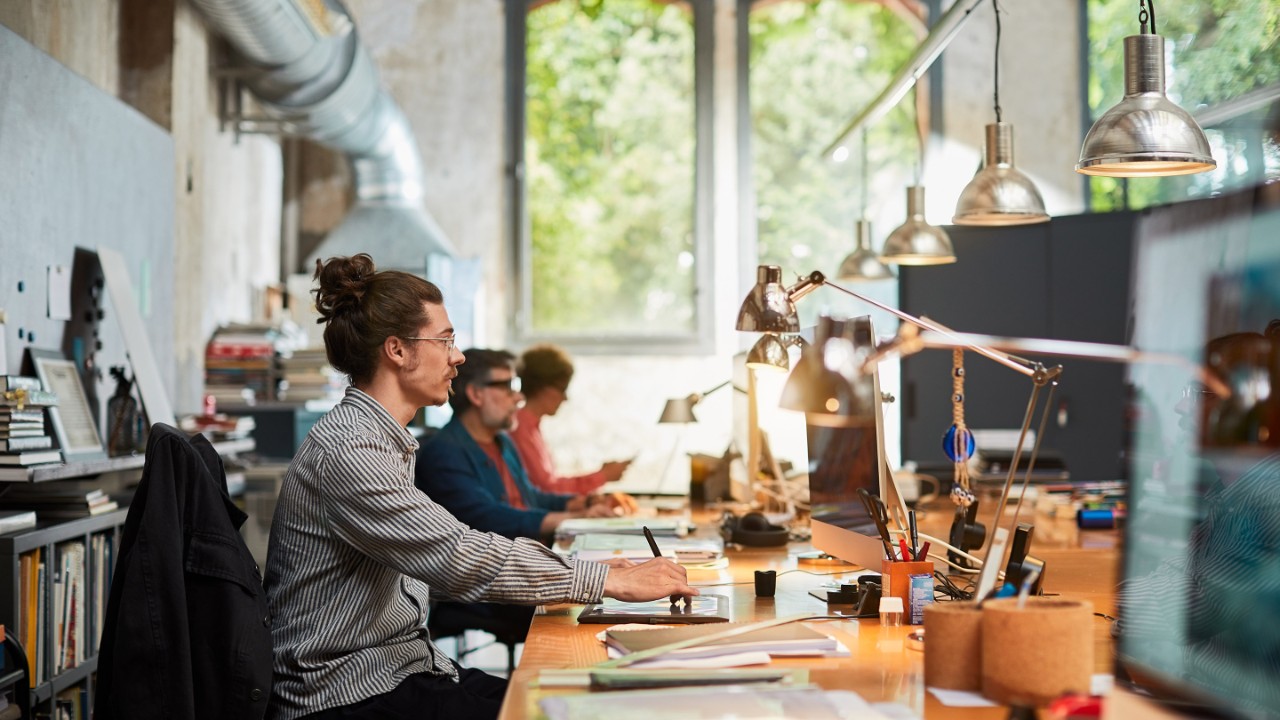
<point x="610" y="168"/>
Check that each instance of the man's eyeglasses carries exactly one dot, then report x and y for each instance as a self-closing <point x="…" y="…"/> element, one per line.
<point x="449" y="342"/>
<point x="511" y="385"/>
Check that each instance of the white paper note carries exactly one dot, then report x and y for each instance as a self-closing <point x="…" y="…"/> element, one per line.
<point x="59" y="292"/>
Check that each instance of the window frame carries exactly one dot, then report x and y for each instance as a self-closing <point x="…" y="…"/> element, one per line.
<point x="520" y="272"/>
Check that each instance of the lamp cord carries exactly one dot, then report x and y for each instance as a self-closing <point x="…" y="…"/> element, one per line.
<point x="995" y="6"/>
<point x="1147" y="15"/>
<point x="862" y="207"/>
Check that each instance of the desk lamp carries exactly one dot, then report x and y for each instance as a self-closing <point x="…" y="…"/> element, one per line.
<point x="918" y="333"/>
<point x="680" y="410"/>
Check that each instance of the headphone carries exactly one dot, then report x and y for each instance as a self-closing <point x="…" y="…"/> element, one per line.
<point x="753" y="530"/>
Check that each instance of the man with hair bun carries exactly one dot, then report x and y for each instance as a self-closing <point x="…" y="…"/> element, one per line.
<point x="357" y="551"/>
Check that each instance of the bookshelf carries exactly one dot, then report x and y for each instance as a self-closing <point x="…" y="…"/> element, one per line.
<point x="88" y="468"/>
<point x="97" y="537"/>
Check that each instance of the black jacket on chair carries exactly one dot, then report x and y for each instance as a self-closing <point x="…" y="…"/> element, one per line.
<point x="187" y="631"/>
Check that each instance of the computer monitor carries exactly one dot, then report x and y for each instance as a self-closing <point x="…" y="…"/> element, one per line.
<point x="1201" y="575"/>
<point x="843" y="460"/>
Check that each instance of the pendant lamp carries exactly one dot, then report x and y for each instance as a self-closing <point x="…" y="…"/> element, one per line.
<point x="916" y="242"/>
<point x="1145" y="134"/>
<point x="863" y="264"/>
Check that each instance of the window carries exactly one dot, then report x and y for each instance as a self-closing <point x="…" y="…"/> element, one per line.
<point x="611" y="163"/>
<point x="813" y="66"/>
<point x="1215" y="51"/>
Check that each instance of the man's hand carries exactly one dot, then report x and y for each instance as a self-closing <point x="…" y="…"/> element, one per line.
<point x="652" y="580"/>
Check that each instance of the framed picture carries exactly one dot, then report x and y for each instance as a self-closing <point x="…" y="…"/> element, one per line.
<point x="72" y="418"/>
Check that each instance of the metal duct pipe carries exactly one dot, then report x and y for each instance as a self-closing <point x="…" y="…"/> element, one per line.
<point x="310" y="69"/>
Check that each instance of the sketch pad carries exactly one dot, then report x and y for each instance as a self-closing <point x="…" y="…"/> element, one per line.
<point x="702" y="609"/>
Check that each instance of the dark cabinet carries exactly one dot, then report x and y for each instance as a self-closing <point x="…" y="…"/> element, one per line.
<point x="1067" y="279"/>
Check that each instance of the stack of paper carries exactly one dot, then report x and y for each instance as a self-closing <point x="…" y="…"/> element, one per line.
<point x="605" y="546"/>
<point x="790" y="640"/>
<point x="671" y="527"/>
<point x="748" y="701"/>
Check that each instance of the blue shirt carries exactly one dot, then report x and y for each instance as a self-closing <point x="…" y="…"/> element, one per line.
<point x="453" y="470"/>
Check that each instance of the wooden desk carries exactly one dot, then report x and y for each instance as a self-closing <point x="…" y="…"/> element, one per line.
<point x="880" y="668"/>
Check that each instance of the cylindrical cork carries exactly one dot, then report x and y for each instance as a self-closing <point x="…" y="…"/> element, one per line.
<point x="1035" y="653"/>
<point x="953" y="646"/>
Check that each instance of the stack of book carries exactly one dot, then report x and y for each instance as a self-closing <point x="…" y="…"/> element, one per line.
<point x="60" y="501"/>
<point x="24" y="436"/>
<point x="240" y="365"/>
<point x="307" y="375"/>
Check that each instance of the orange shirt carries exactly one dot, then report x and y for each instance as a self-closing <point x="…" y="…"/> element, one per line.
<point x="514" y="498"/>
<point x="527" y="436"/>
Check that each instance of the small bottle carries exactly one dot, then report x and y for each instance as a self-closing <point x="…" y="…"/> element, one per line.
<point x="890" y="611"/>
<point x="122" y="416"/>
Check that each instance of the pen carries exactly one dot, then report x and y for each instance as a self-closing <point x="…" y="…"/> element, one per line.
<point x="924" y="551"/>
<point x="915" y="539"/>
<point x="906" y="553"/>
<point x="653" y="544"/>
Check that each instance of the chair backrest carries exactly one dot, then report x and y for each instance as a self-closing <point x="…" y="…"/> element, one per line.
<point x="17" y="659"/>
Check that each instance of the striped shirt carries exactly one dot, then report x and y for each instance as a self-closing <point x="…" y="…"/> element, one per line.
<point x="354" y="549"/>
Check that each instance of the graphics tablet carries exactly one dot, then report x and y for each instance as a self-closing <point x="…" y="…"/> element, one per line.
<point x="701" y="609"/>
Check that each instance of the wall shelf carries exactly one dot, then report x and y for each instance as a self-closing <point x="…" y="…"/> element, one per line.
<point x="87" y="468"/>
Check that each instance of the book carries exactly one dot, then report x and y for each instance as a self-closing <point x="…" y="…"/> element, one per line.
<point x="20" y="382"/>
<point x="25" y="443"/>
<point x="9" y="413"/>
<point x="21" y="473"/>
<point x="28" y="398"/>
<point x="792" y="639"/>
<point x="31" y="457"/>
<point x="14" y="520"/>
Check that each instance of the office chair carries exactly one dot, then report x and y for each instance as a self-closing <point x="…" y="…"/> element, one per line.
<point x="508" y="624"/>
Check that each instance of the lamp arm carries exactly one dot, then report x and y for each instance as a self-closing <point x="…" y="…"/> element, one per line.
<point x="1076" y="349"/>
<point x="816" y="278"/>
<point x="708" y="392"/>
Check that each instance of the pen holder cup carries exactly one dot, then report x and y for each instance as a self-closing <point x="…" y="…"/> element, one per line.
<point x="897" y="583"/>
<point x="1035" y="653"/>
<point x="953" y="646"/>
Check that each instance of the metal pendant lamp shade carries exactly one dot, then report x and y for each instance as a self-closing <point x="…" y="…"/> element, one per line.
<point x="916" y="242"/>
<point x="1145" y="134"/>
<point x="769" y="353"/>
<point x="863" y="264"/>
<point x="826" y="385"/>
<point x="999" y="194"/>
<point x="768" y="307"/>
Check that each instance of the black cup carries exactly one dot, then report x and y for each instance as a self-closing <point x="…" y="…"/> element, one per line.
<point x="766" y="582"/>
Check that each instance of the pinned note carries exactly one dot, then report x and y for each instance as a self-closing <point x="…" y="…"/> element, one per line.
<point x="59" y="292"/>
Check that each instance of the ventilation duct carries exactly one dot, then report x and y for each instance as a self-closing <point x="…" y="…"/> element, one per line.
<point x="307" y="67"/>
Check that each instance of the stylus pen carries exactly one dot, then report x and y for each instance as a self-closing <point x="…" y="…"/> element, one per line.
<point x="653" y="544"/>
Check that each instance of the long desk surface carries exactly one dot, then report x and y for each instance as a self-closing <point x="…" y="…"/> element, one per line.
<point x="1080" y="565"/>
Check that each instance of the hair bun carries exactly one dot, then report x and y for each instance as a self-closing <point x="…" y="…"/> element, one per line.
<point x="343" y="283"/>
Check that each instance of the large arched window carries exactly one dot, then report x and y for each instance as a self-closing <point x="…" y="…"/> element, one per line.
<point x="611" y="171"/>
